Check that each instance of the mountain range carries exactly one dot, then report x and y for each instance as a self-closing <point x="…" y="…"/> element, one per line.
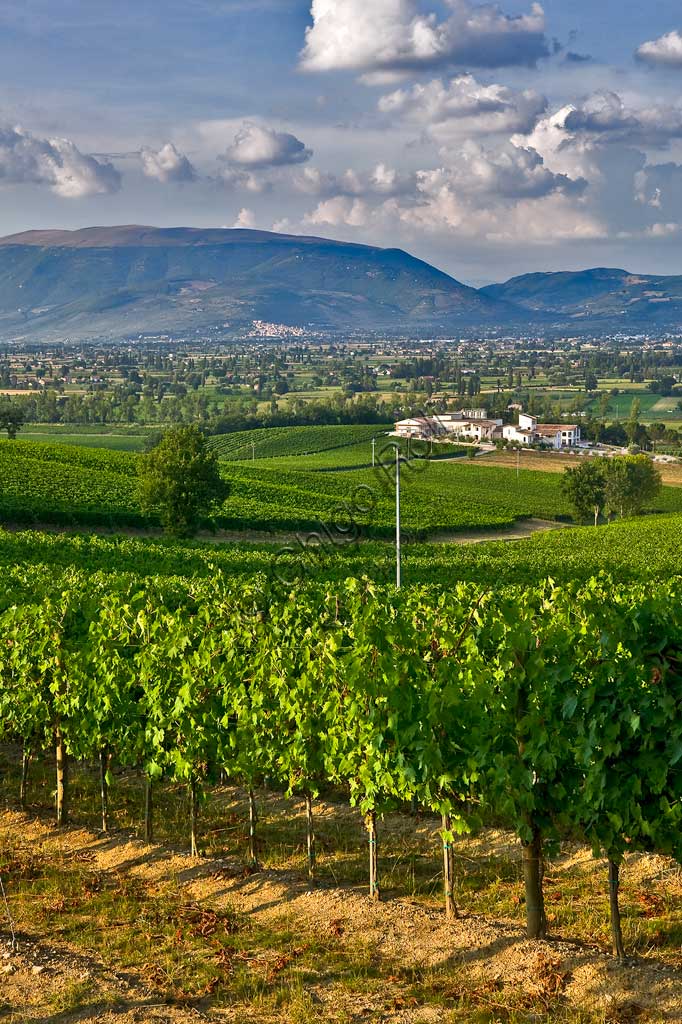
<point x="119" y="282"/>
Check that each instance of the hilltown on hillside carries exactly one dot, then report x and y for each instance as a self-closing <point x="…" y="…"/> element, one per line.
<point x="473" y="425"/>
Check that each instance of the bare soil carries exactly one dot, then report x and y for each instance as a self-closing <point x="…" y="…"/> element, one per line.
<point x="475" y="954"/>
<point x="557" y="462"/>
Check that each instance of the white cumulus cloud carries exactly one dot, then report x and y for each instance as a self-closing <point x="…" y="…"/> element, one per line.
<point x="57" y="163"/>
<point x="466" y="105"/>
<point x="257" y="146"/>
<point x="340" y="210"/>
<point x="382" y="180"/>
<point x="510" y="172"/>
<point x="245" y="219"/>
<point x="665" y="51"/>
<point x="166" y="164"/>
<point x="389" y="37"/>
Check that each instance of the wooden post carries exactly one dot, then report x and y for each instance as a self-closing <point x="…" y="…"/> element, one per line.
<point x="616" y="927"/>
<point x="194" y="850"/>
<point x="148" y="810"/>
<point x="62" y="777"/>
<point x="371" y="825"/>
<point x="104" y="787"/>
<point x="310" y="834"/>
<point x="448" y="870"/>
<point x="253" y="820"/>
<point x="536" y="920"/>
<point x="23" y="786"/>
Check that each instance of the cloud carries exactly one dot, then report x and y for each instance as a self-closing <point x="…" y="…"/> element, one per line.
<point x="257" y="146"/>
<point x="659" y="187"/>
<point x="167" y="164"/>
<point x="381" y="181"/>
<point x="383" y="38"/>
<point x="601" y="137"/>
<point x="661" y="230"/>
<point x="505" y="194"/>
<point x="605" y="115"/>
<point x="248" y="181"/>
<point x="511" y="172"/>
<point x="543" y="221"/>
<point x="666" y="51"/>
<point x="57" y="163"/>
<point x="570" y="57"/>
<point x="466" y="105"/>
<point x="246" y="219"/>
<point x="340" y="210"/>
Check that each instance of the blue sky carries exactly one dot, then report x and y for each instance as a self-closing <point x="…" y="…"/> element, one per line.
<point x="488" y="139"/>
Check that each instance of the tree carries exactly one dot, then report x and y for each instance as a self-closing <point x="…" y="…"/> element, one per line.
<point x="181" y="479"/>
<point x="656" y="432"/>
<point x="632" y="482"/>
<point x="11" y="418"/>
<point x="585" y="488"/>
<point x="633" y="423"/>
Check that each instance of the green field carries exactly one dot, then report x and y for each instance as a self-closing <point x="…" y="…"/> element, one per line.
<point x="654" y="408"/>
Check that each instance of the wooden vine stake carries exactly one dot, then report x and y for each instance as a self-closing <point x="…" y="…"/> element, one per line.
<point x="194" y="849"/>
<point x="23" y="785"/>
<point x="310" y="833"/>
<point x="104" y="787"/>
<point x="148" y="810"/>
<point x="616" y="927"/>
<point x="371" y="825"/>
<point x="451" y="911"/>
<point x="62" y="776"/>
<point x="253" y="821"/>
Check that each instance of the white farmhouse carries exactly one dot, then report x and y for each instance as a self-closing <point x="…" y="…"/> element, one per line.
<point x="422" y="427"/>
<point x="552" y="435"/>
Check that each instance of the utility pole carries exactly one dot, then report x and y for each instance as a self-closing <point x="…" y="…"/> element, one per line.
<point x="374" y="450"/>
<point x="397" y="516"/>
<point x="518" y="463"/>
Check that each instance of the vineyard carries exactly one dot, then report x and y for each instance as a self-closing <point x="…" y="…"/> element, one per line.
<point x="553" y="709"/>
<point x="642" y="549"/>
<point x="69" y="485"/>
<point x="273" y="442"/>
<point x="284" y="703"/>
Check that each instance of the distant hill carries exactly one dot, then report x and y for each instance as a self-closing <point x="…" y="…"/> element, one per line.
<point x="115" y="282"/>
<point x="596" y="295"/>
<point x="119" y="282"/>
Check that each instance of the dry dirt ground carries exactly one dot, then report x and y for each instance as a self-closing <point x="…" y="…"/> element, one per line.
<point x="551" y="462"/>
<point x="50" y="980"/>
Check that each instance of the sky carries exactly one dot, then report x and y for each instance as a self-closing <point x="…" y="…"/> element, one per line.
<point x="490" y="140"/>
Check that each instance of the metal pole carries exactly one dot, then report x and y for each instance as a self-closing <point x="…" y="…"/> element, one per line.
<point x="374" y="448"/>
<point x="253" y="451"/>
<point x="397" y="516"/>
<point x="518" y="462"/>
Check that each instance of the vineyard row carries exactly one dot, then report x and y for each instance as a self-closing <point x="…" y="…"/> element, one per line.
<point x="554" y="709"/>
